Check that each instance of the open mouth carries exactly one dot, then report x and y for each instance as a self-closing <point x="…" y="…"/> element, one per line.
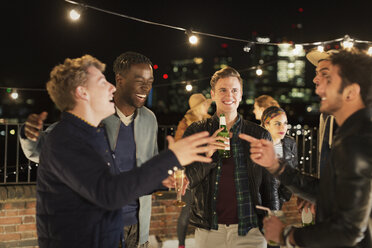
<point x="141" y="96"/>
<point x="228" y="102"/>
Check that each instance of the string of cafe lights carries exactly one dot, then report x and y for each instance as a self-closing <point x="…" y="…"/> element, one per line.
<point x="347" y="42"/>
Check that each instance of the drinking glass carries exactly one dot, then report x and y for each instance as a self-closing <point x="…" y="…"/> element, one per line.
<point x="179" y="176"/>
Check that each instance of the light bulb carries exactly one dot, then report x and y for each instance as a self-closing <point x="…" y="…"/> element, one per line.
<point x="74" y="15"/>
<point x="193" y="39"/>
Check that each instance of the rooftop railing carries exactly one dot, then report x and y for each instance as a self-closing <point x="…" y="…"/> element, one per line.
<point x="15" y="168"/>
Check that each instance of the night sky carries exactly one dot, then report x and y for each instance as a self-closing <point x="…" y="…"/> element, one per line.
<point x="38" y="33"/>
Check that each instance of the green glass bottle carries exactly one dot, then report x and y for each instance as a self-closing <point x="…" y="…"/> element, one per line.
<point x="224" y="153"/>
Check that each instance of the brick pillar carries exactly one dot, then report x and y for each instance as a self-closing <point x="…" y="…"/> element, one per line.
<point x="17" y="216"/>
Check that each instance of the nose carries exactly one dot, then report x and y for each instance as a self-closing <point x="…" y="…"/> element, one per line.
<point x="112" y="88"/>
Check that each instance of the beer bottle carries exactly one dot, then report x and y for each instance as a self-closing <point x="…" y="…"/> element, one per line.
<point x="224" y="153"/>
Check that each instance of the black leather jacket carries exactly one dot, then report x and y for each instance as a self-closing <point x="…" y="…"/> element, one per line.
<point x="344" y="192"/>
<point x="290" y="155"/>
<point x="202" y="176"/>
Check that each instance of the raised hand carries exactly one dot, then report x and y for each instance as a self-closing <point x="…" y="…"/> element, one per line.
<point x="188" y="150"/>
<point x="34" y="124"/>
<point x="262" y="152"/>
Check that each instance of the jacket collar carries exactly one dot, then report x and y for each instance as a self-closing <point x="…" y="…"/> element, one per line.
<point x="355" y="118"/>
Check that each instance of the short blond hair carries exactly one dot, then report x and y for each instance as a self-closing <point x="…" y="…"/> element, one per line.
<point x="66" y="77"/>
<point x="224" y="73"/>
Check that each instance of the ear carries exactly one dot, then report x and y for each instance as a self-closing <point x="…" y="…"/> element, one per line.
<point x="118" y="78"/>
<point x="81" y="93"/>
<point x="352" y="92"/>
<point x="212" y="94"/>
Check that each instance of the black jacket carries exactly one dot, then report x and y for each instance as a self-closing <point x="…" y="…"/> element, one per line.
<point x="344" y="193"/>
<point x="290" y="155"/>
<point x="202" y="177"/>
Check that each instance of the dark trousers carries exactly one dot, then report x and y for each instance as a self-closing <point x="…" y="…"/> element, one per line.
<point x="183" y="219"/>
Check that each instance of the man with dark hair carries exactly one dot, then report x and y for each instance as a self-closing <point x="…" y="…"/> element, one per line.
<point x="343" y="194"/>
<point x="80" y="187"/>
<point x="132" y="133"/>
<point x="227" y="191"/>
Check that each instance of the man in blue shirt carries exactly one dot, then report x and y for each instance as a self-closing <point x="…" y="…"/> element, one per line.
<point x="132" y="132"/>
<point x="80" y="189"/>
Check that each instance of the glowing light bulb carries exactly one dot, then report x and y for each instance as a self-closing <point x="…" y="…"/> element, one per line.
<point x="369" y="52"/>
<point x="193" y="39"/>
<point x="347" y="43"/>
<point x="189" y="87"/>
<point x="74" y="15"/>
<point x="14" y="95"/>
<point x="259" y="72"/>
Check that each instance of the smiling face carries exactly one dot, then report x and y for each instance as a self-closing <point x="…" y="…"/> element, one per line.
<point x="320" y="79"/>
<point x="134" y="86"/>
<point x="277" y="127"/>
<point x="331" y="97"/>
<point x="227" y="95"/>
<point x="100" y="93"/>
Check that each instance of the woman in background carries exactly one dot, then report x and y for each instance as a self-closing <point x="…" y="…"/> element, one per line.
<point x="274" y="119"/>
<point x="261" y="103"/>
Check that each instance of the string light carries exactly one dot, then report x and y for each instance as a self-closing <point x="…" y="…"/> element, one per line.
<point x="248" y="47"/>
<point x="259" y="71"/>
<point x="188" y="87"/>
<point x="193" y="39"/>
<point x="14" y="95"/>
<point x="261" y="42"/>
<point x="74" y="14"/>
<point x="347" y="43"/>
<point x="369" y="52"/>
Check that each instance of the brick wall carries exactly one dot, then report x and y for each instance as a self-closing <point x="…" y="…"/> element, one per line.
<point x="164" y="215"/>
<point x="17" y="216"/>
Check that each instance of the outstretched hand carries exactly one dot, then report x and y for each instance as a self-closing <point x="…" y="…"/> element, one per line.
<point x="262" y="152"/>
<point x="188" y="150"/>
<point x="34" y="124"/>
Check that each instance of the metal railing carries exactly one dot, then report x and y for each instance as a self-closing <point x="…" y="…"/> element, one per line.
<point x="15" y="168"/>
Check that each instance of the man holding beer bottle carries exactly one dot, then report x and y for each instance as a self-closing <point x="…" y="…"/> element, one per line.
<point x="227" y="190"/>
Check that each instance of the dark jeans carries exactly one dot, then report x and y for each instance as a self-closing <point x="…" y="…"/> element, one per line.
<point x="183" y="219"/>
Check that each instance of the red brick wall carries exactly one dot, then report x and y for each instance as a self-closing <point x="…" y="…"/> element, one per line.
<point x="17" y="216"/>
<point x="164" y="215"/>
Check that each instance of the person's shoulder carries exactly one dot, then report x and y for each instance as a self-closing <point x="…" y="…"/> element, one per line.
<point x="146" y="113"/>
<point x="201" y="125"/>
<point x="62" y="132"/>
<point x="253" y="126"/>
<point x="289" y="139"/>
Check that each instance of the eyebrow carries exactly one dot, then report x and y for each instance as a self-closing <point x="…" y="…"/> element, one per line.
<point x="323" y="69"/>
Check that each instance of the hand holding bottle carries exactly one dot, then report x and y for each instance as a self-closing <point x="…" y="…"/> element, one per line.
<point x="219" y="143"/>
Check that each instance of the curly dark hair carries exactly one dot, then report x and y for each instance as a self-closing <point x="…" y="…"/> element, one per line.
<point x="355" y="66"/>
<point x="125" y="60"/>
